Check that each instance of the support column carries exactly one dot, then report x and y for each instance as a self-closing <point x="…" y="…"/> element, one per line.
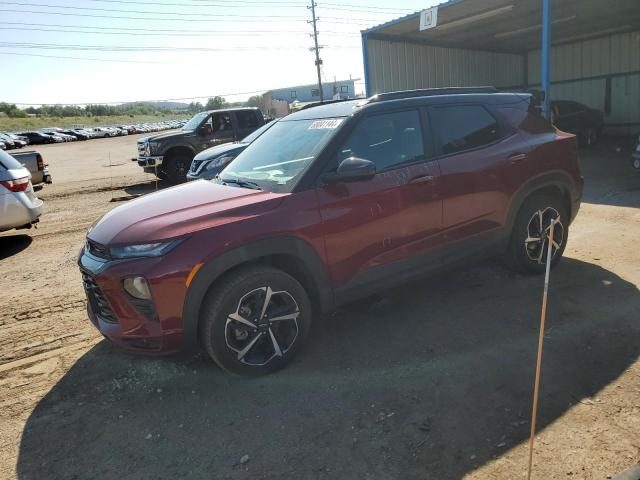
<point x="545" y="68"/>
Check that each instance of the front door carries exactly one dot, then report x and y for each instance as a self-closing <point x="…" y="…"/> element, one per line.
<point x="376" y="229"/>
<point x="219" y="130"/>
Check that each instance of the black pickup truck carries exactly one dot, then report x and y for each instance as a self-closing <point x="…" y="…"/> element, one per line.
<point x="169" y="155"/>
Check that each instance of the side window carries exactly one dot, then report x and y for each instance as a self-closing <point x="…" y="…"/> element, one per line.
<point x="221" y="122"/>
<point x="247" y="119"/>
<point x="464" y="127"/>
<point x="387" y="139"/>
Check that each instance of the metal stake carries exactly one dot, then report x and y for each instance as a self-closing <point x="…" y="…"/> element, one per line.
<point x="543" y="315"/>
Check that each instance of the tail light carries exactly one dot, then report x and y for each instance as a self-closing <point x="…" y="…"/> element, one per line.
<point x="40" y="162"/>
<point x="19" y="185"/>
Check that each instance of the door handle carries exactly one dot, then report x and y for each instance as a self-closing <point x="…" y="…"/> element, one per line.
<point x="517" y="158"/>
<point x="422" y="179"/>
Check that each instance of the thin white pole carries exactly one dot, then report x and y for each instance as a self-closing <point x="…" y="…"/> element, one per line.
<point x="543" y="315"/>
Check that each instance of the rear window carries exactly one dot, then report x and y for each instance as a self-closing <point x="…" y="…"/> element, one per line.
<point x="8" y="162"/>
<point x="464" y="127"/>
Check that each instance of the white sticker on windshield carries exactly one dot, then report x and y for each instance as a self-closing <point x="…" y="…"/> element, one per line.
<point x="329" y="123"/>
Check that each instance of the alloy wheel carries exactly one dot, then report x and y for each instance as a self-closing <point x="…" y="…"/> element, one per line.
<point x="537" y="242"/>
<point x="263" y="326"/>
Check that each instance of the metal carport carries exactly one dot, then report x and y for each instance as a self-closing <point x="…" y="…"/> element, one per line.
<point x="594" y="55"/>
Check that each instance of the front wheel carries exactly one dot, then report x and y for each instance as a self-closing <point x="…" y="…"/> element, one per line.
<point x="255" y="321"/>
<point x="177" y="167"/>
<point x="528" y="246"/>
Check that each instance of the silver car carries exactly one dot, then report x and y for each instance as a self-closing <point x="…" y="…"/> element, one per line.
<point x="19" y="207"/>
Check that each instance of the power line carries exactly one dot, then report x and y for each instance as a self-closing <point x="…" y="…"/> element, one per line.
<point x="21" y="54"/>
<point x="149" y="101"/>
<point x="117" y="48"/>
<point x="350" y="22"/>
<point x="151" y="12"/>
<point x="164" y="34"/>
<point x="145" y="12"/>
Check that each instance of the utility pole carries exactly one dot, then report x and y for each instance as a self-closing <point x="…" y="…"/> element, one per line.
<point x="316" y="48"/>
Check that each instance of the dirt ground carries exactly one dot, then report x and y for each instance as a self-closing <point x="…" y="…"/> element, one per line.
<point x="429" y="381"/>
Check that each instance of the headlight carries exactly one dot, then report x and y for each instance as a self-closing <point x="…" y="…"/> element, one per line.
<point x="153" y="148"/>
<point x="144" y="250"/>
<point x="218" y="162"/>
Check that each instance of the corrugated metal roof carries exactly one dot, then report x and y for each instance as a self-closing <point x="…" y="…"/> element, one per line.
<point x="512" y="25"/>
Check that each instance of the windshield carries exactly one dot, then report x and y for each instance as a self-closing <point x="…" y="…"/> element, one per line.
<point x="282" y="153"/>
<point x="252" y="136"/>
<point x="195" y="121"/>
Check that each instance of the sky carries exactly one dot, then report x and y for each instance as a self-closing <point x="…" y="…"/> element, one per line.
<point x="110" y="51"/>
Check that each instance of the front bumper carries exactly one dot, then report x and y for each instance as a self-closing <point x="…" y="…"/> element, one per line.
<point x="117" y="316"/>
<point x="152" y="161"/>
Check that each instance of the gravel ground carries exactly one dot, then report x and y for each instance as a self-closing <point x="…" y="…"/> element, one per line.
<point x="429" y="381"/>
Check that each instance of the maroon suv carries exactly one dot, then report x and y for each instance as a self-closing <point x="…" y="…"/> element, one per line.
<point x="333" y="203"/>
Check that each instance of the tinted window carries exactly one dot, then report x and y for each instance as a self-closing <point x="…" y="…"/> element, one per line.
<point x="247" y="119"/>
<point x="386" y="140"/>
<point x="464" y="127"/>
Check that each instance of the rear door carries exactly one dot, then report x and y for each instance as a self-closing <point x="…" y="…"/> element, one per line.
<point x="481" y="161"/>
<point x="375" y="229"/>
<point x="246" y="122"/>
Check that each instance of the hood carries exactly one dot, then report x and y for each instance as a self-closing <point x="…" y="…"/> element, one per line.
<point x="179" y="211"/>
<point x="219" y="150"/>
<point x="167" y="135"/>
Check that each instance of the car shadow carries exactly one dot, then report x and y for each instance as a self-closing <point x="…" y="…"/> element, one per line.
<point x="609" y="177"/>
<point x="11" y="245"/>
<point x="144" y="188"/>
<point x="430" y="380"/>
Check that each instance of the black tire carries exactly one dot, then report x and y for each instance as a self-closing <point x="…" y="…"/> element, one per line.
<point x="162" y="175"/>
<point x="636" y="163"/>
<point x="177" y="166"/>
<point x="524" y="254"/>
<point x="244" y="292"/>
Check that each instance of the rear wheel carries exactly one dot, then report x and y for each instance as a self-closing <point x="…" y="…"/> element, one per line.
<point x="177" y="167"/>
<point x="528" y="247"/>
<point x="255" y="321"/>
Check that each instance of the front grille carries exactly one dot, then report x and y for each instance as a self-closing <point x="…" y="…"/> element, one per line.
<point x="97" y="249"/>
<point x="96" y="299"/>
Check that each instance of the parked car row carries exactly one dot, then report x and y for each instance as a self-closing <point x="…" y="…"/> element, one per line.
<point x="48" y="135"/>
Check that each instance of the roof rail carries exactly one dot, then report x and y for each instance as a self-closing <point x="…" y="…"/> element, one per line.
<point x="428" y="92"/>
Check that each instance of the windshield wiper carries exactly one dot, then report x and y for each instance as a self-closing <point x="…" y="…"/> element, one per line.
<point x="241" y="183"/>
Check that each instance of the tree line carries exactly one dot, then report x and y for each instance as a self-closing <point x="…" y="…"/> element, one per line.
<point x="136" y="108"/>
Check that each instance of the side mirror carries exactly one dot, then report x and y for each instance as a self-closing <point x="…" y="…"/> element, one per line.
<point x="205" y="130"/>
<point x="350" y="170"/>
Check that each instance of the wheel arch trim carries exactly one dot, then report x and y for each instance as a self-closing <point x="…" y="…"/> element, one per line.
<point x="253" y="252"/>
<point x="558" y="179"/>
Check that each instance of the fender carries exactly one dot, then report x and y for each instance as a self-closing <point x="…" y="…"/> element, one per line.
<point x="253" y="252"/>
<point x="558" y="179"/>
<point x="179" y="145"/>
